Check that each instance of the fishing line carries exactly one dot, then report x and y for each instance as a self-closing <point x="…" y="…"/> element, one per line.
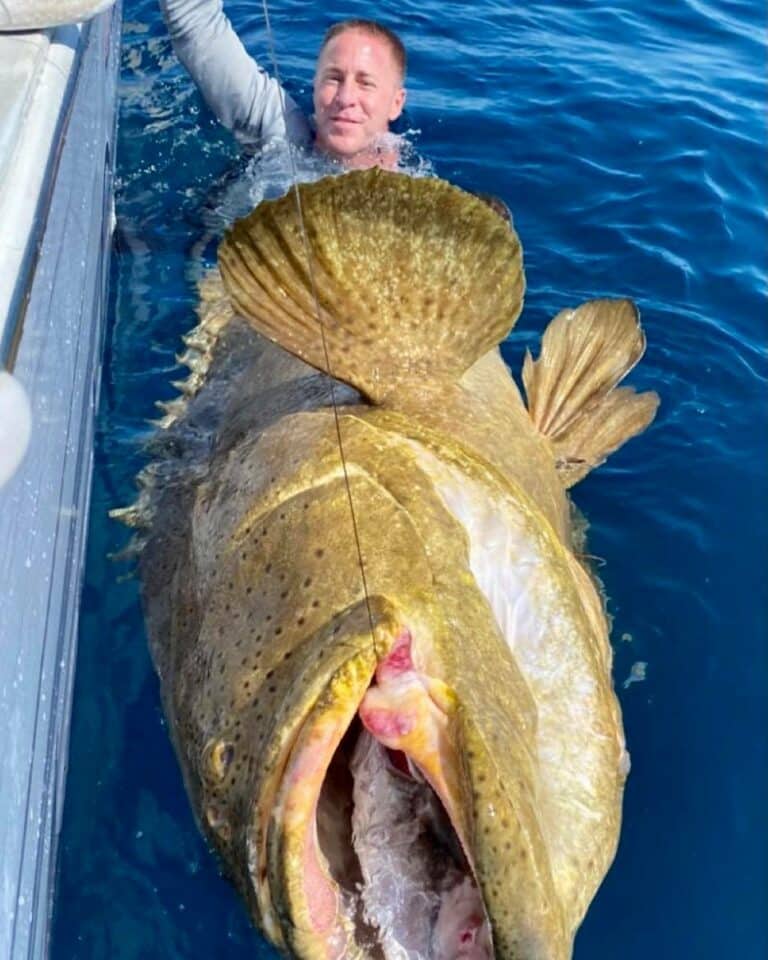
<point x="318" y="313"/>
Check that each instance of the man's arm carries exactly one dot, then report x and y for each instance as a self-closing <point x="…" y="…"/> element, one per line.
<point x="240" y="93"/>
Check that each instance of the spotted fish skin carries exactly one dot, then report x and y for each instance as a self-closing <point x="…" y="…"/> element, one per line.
<point x="476" y="645"/>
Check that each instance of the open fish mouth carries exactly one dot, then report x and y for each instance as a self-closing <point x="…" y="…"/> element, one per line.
<point x="367" y="852"/>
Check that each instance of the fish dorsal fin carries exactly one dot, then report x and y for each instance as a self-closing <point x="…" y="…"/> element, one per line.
<point x="413" y="277"/>
<point x="571" y="388"/>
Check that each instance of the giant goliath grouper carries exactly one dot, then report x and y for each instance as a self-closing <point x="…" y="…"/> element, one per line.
<point x="387" y="673"/>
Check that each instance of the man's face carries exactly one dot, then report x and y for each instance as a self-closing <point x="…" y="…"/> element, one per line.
<point x="358" y="91"/>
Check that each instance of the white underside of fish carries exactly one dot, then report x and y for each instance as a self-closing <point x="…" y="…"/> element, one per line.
<point x="512" y="564"/>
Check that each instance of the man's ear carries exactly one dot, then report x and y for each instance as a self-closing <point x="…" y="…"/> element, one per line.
<point x="397" y="105"/>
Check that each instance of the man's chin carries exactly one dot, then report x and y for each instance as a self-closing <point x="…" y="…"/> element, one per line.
<point x="342" y="145"/>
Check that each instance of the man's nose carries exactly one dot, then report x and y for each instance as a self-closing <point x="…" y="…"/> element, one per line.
<point x="346" y="92"/>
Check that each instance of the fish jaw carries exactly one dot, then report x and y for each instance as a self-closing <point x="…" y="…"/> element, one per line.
<point x="377" y="700"/>
<point x="413" y="714"/>
<point x="309" y="901"/>
<point x="410" y="712"/>
<point x="505" y="904"/>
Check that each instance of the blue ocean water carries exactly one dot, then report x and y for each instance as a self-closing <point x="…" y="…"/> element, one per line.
<point x="630" y="143"/>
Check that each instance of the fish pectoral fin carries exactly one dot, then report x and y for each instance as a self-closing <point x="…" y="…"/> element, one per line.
<point x="571" y="389"/>
<point x="380" y="280"/>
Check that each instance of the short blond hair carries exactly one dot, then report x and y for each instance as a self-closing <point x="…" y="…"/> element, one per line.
<point x="375" y="30"/>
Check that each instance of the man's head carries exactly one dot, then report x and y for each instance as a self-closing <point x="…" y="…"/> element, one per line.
<point x="358" y="89"/>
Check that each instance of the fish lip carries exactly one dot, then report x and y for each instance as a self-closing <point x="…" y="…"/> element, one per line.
<point x="275" y="848"/>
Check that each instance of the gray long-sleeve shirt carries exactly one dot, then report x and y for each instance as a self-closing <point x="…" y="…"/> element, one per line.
<point x="243" y="97"/>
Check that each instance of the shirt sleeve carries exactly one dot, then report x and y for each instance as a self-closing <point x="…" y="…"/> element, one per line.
<point x="242" y="95"/>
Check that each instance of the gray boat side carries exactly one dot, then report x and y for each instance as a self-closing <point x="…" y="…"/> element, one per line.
<point x="57" y="139"/>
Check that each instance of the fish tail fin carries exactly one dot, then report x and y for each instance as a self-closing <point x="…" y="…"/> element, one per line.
<point x="379" y="280"/>
<point x="572" y="390"/>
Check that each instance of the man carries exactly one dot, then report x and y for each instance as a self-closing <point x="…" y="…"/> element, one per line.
<point x="358" y="85"/>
